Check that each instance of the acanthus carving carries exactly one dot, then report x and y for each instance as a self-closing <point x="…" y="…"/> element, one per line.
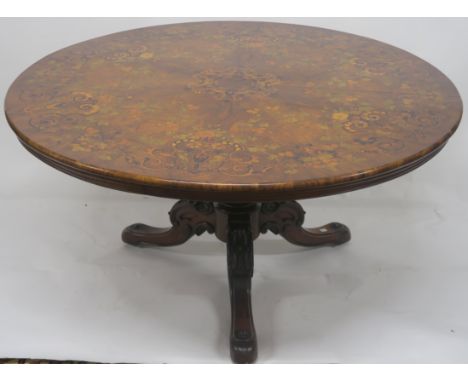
<point x="243" y="339"/>
<point x="286" y="219"/>
<point x="240" y="252"/>
<point x="188" y="218"/>
<point x="198" y="216"/>
<point x="276" y="216"/>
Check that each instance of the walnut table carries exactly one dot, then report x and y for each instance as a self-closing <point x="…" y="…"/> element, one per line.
<point x="238" y="120"/>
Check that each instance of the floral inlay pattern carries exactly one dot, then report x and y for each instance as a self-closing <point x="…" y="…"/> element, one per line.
<point x="233" y="103"/>
<point x="233" y="84"/>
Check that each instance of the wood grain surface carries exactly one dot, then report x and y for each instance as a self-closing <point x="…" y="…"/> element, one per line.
<point x="233" y="111"/>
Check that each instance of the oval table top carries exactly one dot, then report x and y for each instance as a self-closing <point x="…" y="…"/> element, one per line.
<point x="233" y="111"/>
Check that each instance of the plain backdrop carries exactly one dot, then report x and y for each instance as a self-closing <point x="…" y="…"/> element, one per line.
<point x="70" y="289"/>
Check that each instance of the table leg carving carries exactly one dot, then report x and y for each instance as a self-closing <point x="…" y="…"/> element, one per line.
<point x="286" y="219"/>
<point x="238" y="225"/>
<point x="243" y="340"/>
<point x="188" y="218"/>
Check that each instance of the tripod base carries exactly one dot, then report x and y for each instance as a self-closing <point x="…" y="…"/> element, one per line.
<point x="238" y="225"/>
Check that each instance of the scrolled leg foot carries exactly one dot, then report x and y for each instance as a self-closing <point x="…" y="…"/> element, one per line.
<point x="188" y="218"/>
<point x="286" y="219"/>
<point x="139" y="234"/>
<point x="330" y="234"/>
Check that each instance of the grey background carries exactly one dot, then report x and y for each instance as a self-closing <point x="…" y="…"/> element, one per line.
<point x="69" y="289"/>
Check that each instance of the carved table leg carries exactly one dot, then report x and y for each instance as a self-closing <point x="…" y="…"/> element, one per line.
<point x="188" y="218"/>
<point x="243" y="340"/>
<point x="286" y="219"/>
<point x="238" y="224"/>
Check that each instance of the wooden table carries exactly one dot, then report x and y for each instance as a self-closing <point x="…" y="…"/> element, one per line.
<point x="237" y="119"/>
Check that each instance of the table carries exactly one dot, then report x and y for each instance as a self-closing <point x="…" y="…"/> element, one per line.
<point x="238" y="120"/>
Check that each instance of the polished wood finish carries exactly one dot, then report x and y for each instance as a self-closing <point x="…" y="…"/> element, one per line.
<point x="233" y="111"/>
<point x="237" y="119"/>
<point x="240" y="261"/>
<point x="228" y="195"/>
<point x="286" y="219"/>
<point x="188" y="218"/>
<point x="238" y="225"/>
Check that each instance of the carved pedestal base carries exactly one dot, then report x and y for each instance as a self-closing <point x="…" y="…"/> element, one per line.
<point x="238" y="225"/>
